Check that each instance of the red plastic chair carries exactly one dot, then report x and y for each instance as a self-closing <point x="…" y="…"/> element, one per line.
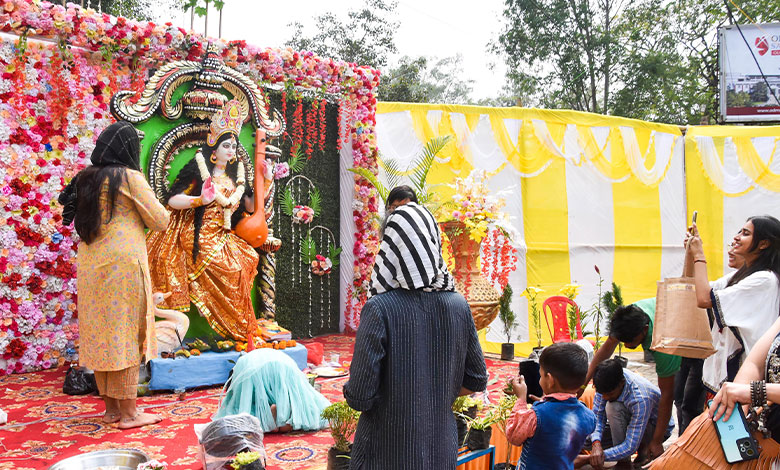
<point x="558" y="305"/>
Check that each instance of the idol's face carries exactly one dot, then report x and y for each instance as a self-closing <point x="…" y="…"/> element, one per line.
<point x="226" y="151"/>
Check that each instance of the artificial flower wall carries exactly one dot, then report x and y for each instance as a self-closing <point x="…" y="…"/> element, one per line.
<point x="56" y="80"/>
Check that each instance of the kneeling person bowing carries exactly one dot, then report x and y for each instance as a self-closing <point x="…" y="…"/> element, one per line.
<point x="626" y="407"/>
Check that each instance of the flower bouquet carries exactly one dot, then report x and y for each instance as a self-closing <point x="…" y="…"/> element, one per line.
<point x="473" y="210"/>
<point x="302" y="214"/>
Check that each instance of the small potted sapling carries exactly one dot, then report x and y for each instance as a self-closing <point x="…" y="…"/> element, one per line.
<point x="509" y="320"/>
<point x="464" y="408"/>
<point x="343" y="423"/>
<point x="612" y="299"/>
<point x="502" y="413"/>
<point x="480" y="431"/>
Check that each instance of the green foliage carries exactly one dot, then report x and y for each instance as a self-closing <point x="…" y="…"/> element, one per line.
<point x="417" y="172"/>
<point x="759" y="93"/>
<point x="424" y="80"/>
<point x="141" y="10"/>
<point x="333" y="254"/>
<point x="315" y="201"/>
<point x="287" y="202"/>
<point x="343" y="422"/>
<point x="481" y="422"/>
<point x="308" y="250"/>
<point x="612" y="299"/>
<point x="297" y="162"/>
<point x="422" y="166"/>
<point x="367" y="37"/>
<point x="464" y="402"/>
<point x="201" y="6"/>
<point x="371" y="178"/>
<point x="505" y="313"/>
<point x="645" y="59"/>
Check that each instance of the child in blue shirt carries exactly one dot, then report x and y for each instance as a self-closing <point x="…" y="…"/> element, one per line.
<point x="553" y="431"/>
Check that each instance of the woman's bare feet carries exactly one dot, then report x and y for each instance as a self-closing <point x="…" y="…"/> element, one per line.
<point x="110" y="418"/>
<point x="285" y="428"/>
<point x="140" y="419"/>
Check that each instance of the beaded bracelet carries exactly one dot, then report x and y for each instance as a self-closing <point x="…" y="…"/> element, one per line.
<point x="758" y="401"/>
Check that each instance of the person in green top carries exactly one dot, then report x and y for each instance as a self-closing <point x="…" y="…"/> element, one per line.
<point x="633" y="326"/>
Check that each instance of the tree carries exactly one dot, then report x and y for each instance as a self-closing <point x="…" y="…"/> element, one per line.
<point x="141" y="10"/>
<point x="759" y="93"/>
<point x="367" y="38"/>
<point x="646" y="59"/>
<point x="414" y="81"/>
<point x="558" y="52"/>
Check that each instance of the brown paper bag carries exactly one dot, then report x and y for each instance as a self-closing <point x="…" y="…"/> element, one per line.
<point x="681" y="327"/>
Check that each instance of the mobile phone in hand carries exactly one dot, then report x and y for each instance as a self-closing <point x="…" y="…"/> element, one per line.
<point x="735" y="439"/>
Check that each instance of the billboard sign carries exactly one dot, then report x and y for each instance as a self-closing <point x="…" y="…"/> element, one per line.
<point x="746" y="95"/>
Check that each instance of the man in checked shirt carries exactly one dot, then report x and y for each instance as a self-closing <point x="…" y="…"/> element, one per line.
<point x="626" y="408"/>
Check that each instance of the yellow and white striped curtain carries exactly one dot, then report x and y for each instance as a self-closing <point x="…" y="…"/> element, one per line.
<point x="583" y="190"/>
<point x="732" y="172"/>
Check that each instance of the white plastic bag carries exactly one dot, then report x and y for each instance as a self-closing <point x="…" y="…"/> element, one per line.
<point x="221" y="439"/>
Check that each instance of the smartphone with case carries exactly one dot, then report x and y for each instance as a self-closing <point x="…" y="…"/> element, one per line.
<point x="735" y="439"/>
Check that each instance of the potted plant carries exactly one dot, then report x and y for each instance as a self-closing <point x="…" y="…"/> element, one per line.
<point x="531" y="293"/>
<point x="248" y="461"/>
<point x="464" y="408"/>
<point x="570" y="291"/>
<point x="509" y="320"/>
<point x="612" y="299"/>
<point x="480" y="431"/>
<point x="502" y="412"/>
<point x="343" y="422"/>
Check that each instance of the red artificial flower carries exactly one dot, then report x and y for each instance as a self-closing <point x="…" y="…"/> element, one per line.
<point x="15" y="349"/>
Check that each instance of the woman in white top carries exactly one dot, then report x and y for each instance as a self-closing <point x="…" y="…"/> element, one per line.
<point x="742" y="304"/>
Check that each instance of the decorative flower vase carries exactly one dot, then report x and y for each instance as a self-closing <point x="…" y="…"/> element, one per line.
<point x="480" y="294"/>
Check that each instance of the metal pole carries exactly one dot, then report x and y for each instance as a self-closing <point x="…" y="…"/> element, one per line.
<point x="192" y="17"/>
<point x="220" y="23"/>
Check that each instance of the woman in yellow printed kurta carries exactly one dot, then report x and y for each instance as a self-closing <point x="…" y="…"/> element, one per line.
<point x="114" y="204"/>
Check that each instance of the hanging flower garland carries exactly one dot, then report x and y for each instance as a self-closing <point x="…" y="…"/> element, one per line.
<point x="311" y="130"/>
<point x="301" y="214"/>
<point x="320" y="265"/>
<point x="37" y="264"/>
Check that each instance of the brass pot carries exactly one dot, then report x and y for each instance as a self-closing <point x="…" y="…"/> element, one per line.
<point x="479" y="293"/>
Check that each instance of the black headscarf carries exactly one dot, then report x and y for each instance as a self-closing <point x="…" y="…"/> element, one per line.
<point x="117" y="145"/>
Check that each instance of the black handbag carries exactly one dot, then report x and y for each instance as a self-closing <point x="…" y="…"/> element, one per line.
<point x="79" y="382"/>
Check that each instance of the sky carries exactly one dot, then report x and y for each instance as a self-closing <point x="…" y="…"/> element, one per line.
<point x="434" y="28"/>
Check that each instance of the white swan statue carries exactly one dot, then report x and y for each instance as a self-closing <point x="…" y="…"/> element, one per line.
<point x="166" y="330"/>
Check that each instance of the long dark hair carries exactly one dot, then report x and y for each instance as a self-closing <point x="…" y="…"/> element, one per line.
<point x="190" y="174"/>
<point x="765" y="227"/>
<point x="117" y="150"/>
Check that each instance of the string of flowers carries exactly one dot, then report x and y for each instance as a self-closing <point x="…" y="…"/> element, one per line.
<point x="499" y="258"/>
<point x="38" y="327"/>
<point x="323" y="125"/>
<point x="297" y="127"/>
<point x="311" y="129"/>
<point x="284" y="112"/>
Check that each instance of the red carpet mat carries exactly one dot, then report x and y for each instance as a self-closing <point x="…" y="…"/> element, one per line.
<point x="46" y="426"/>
